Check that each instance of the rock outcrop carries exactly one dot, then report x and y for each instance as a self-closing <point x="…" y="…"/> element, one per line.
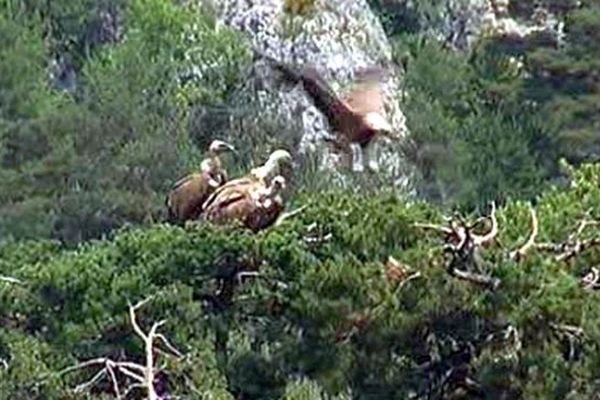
<point x="466" y="21"/>
<point x="337" y="37"/>
<point x="461" y="23"/>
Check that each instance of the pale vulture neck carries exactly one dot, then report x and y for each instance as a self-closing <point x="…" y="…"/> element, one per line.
<point x="212" y="163"/>
<point x="266" y="171"/>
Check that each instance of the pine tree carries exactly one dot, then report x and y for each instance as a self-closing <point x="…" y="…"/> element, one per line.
<point x="76" y="165"/>
<point x="566" y="84"/>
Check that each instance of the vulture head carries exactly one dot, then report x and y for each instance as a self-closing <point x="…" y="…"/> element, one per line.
<point x="212" y="164"/>
<point x="277" y="160"/>
<point x="219" y="147"/>
<point x="185" y="198"/>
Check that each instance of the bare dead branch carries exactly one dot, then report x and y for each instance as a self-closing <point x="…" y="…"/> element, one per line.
<point x="578" y="248"/>
<point x="131" y="388"/>
<point x="287" y="215"/>
<point x="142" y="375"/>
<point x="95" y="379"/>
<point x="131" y="374"/>
<point x="522" y="251"/>
<point x="464" y="246"/>
<point x="478" y="279"/>
<point x="434" y="227"/>
<point x="458" y="230"/>
<point x="569" y="329"/>
<point x="582" y="225"/>
<point x="168" y="344"/>
<point x="318" y="239"/>
<point x="592" y="279"/>
<point x="10" y="279"/>
<point x="572" y="247"/>
<point x="115" y="382"/>
<point x="411" y="277"/>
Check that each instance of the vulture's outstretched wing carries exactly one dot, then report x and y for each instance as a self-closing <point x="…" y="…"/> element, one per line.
<point x="366" y="94"/>
<point x="317" y="88"/>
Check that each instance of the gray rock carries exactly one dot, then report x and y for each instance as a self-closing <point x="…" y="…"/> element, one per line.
<point x="338" y="39"/>
<point x="464" y="22"/>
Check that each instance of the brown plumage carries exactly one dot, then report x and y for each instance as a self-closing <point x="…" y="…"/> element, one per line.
<point x="253" y="200"/>
<point x="357" y="117"/>
<point x="250" y="203"/>
<point x="186" y="197"/>
<point x="258" y="177"/>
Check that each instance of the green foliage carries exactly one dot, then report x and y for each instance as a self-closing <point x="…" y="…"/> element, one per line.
<point x="561" y="80"/>
<point x="471" y="140"/>
<point x="74" y="30"/>
<point x="401" y="17"/>
<point x="321" y="320"/>
<point x="76" y="166"/>
<point x="493" y="122"/>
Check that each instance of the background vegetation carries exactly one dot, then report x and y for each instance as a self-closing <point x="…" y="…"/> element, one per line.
<point x="90" y="154"/>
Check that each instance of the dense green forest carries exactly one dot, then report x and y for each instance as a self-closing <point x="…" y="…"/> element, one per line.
<point x="481" y="284"/>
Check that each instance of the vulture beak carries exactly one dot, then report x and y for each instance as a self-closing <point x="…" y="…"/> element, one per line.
<point x="218" y="146"/>
<point x="228" y="147"/>
<point x="279" y="182"/>
<point x="280" y="157"/>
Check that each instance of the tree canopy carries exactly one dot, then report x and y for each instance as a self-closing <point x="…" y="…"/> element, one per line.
<point x="482" y="285"/>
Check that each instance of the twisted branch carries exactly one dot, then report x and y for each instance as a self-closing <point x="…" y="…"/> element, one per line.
<point x="566" y="250"/>
<point x="463" y="244"/>
<point x="141" y="375"/>
<point x="522" y="251"/>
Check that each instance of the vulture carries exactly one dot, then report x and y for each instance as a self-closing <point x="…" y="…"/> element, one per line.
<point x="255" y="200"/>
<point x="261" y="175"/>
<point x="185" y="199"/>
<point x="357" y="118"/>
<point x="254" y="205"/>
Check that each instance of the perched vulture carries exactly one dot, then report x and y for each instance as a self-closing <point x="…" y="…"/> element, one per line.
<point x="356" y="118"/>
<point x="185" y="199"/>
<point x="261" y="175"/>
<point x="254" y="200"/>
<point x="253" y="204"/>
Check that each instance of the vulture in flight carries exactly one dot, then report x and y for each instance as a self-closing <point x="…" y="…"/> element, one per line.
<point x="255" y="200"/>
<point x="357" y="118"/>
<point x="185" y="199"/>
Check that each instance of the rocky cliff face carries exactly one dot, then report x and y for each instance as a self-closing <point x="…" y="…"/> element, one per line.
<point x="460" y="23"/>
<point x="463" y="22"/>
<point x="338" y="37"/>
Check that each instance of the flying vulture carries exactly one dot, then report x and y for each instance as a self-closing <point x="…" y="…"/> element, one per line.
<point x="255" y="199"/>
<point x="356" y="118"/>
<point x="185" y="199"/>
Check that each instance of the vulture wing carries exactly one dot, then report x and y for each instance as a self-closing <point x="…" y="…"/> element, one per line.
<point x="227" y="198"/>
<point x="229" y="205"/>
<point x="183" y="181"/>
<point x="367" y="93"/>
<point x="186" y="196"/>
<point x="323" y="96"/>
<point x="239" y="183"/>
